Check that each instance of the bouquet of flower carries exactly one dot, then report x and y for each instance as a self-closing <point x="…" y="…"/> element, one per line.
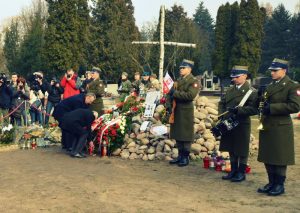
<point x="7" y="134"/>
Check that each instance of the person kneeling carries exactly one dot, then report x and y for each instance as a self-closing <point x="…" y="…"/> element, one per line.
<point x="78" y="124"/>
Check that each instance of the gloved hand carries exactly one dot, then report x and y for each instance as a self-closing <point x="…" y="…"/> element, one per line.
<point x="233" y="110"/>
<point x="266" y="109"/>
<point x="171" y="93"/>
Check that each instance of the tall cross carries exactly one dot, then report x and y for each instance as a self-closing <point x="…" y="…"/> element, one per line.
<point x="162" y="44"/>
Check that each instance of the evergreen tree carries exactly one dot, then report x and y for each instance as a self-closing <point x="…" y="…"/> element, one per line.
<point x="206" y="24"/>
<point x="277" y="37"/>
<point x="11" y="46"/>
<point x="113" y="31"/>
<point x="32" y="45"/>
<point x="227" y="19"/>
<point x="66" y="35"/>
<point x="249" y="34"/>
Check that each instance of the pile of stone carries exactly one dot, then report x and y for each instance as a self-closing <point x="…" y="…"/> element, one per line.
<point x="147" y="146"/>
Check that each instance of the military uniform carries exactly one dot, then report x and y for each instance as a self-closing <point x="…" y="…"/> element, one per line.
<point x="136" y="86"/>
<point x="237" y="140"/>
<point x="276" y="139"/>
<point x="124" y="89"/>
<point x="182" y="130"/>
<point x="97" y="87"/>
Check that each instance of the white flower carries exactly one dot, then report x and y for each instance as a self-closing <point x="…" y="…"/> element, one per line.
<point x="4" y="129"/>
<point x="9" y="127"/>
<point x="122" y="128"/>
<point x="122" y="131"/>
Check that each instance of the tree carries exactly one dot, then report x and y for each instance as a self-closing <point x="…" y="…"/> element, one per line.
<point x="276" y="42"/>
<point x="31" y="47"/>
<point x="206" y="24"/>
<point x="3" y="67"/>
<point x="66" y="35"/>
<point x="225" y="36"/>
<point x="11" y="46"/>
<point x="249" y="34"/>
<point x="113" y="30"/>
<point x="295" y="41"/>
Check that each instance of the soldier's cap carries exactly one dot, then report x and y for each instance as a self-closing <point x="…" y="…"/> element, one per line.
<point x="125" y="73"/>
<point x="137" y="73"/>
<point x="237" y="71"/>
<point x="186" y="63"/>
<point x="278" y="64"/>
<point x="153" y="75"/>
<point x="96" y="69"/>
<point x="87" y="72"/>
<point x="147" y="70"/>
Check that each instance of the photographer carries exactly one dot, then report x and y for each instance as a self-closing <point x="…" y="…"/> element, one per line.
<point x="54" y="97"/>
<point x="36" y="99"/>
<point x="71" y="84"/>
<point x="5" y="98"/>
<point x="20" y="94"/>
<point x="40" y="81"/>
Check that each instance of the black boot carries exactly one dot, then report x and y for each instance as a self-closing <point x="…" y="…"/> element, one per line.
<point x="240" y="175"/>
<point x="268" y="186"/>
<point x="230" y="175"/>
<point x="278" y="187"/>
<point x="176" y="160"/>
<point x="185" y="159"/>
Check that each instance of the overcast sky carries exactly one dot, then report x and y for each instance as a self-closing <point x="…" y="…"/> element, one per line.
<point x="147" y="10"/>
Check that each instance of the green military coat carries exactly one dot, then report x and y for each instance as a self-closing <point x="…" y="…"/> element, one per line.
<point x="124" y="89"/>
<point x="97" y="87"/>
<point x="237" y="140"/>
<point x="276" y="140"/>
<point x="183" y="127"/>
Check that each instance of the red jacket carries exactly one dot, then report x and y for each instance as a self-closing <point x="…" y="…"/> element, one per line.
<point x="69" y="86"/>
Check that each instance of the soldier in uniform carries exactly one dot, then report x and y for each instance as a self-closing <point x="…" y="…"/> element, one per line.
<point x="145" y="80"/>
<point x="182" y="130"/>
<point x="136" y="85"/>
<point x="276" y="138"/>
<point x="125" y="87"/>
<point x="236" y="141"/>
<point x="97" y="87"/>
<point x="154" y="83"/>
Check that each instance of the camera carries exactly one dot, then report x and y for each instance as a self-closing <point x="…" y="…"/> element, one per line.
<point x="69" y="76"/>
<point x="3" y="78"/>
<point x="37" y="77"/>
<point x="21" y="87"/>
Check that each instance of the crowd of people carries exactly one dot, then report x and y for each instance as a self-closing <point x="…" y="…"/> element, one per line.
<point x="77" y="104"/>
<point x="31" y="101"/>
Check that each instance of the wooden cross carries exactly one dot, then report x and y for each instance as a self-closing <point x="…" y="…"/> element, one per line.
<point x="162" y="44"/>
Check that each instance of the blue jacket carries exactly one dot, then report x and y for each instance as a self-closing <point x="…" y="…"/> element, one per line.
<point x="69" y="105"/>
<point x="5" y="96"/>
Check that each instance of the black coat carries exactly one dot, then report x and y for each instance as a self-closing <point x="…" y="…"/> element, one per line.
<point x="78" y="122"/>
<point x="5" y="96"/>
<point x="69" y="105"/>
<point x="54" y="93"/>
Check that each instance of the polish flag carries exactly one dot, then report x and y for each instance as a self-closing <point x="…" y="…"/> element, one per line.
<point x="168" y="83"/>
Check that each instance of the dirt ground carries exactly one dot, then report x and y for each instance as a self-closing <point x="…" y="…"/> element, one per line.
<point x="47" y="180"/>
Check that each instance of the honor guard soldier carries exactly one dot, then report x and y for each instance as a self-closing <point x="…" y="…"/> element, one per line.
<point x="236" y="141"/>
<point x="182" y="95"/>
<point x="97" y="87"/>
<point x="276" y="138"/>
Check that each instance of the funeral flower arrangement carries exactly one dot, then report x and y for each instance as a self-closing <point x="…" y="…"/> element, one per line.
<point x="7" y="134"/>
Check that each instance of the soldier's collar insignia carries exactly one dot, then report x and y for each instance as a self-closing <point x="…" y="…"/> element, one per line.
<point x="298" y="92"/>
<point x="243" y="91"/>
<point x="283" y="83"/>
<point x="100" y="85"/>
<point x="195" y="85"/>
